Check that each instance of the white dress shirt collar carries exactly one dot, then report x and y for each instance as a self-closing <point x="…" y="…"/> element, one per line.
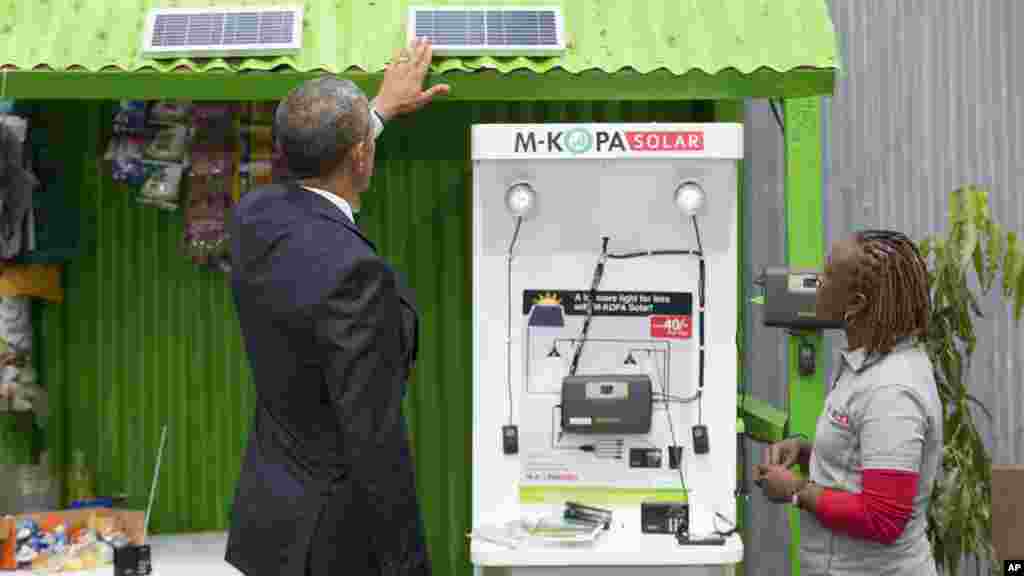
<point x="338" y="201"/>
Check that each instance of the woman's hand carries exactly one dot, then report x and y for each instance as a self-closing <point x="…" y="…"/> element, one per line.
<point x="777" y="483"/>
<point x="785" y="453"/>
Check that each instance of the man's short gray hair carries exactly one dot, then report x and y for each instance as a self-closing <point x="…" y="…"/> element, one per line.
<point x="318" y="123"/>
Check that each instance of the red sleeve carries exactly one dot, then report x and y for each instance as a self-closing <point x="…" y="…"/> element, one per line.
<point x="879" y="513"/>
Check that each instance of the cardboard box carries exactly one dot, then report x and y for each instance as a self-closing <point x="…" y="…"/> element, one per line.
<point x="129" y="522"/>
<point x="1008" y="512"/>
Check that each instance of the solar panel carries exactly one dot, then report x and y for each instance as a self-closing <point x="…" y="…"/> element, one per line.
<point x="223" y="32"/>
<point x="499" y="31"/>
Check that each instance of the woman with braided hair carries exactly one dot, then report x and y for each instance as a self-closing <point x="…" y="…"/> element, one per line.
<point x="878" y="443"/>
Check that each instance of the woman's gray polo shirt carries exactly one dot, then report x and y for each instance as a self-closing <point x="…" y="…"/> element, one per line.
<point x="882" y="412"/>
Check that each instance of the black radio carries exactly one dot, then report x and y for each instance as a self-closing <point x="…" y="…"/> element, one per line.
<point x="664" y="517"/>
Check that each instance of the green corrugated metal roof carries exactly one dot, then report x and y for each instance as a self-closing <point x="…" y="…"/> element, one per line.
<point x="346" y="36"/>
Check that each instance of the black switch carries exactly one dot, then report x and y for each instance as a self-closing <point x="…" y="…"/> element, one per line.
<point x="700" y="439"/>
<point x="675" y="456"/>
<point x="806" y="359"/>
<point x="510" y="439"/>
<point x="644" y="458"/>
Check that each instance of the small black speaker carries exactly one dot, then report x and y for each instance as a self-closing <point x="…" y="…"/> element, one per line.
<point x="132" y="561"/>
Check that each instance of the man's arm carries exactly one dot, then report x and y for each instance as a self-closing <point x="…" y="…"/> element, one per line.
<point x="359" y="331"/>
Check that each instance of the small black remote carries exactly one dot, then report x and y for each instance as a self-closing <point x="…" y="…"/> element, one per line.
<point x="700" y="439"/>
<point x="510" y="439"/>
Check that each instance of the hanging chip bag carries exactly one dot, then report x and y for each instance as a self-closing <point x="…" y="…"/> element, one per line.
<point x="163" y="185"/>
<point x="169" y="144"/>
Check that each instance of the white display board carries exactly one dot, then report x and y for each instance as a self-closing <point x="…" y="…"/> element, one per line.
<point x="594" y="181"/>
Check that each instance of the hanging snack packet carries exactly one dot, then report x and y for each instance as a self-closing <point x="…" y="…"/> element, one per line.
<point x="169" y="144"/>
<point x="205" y="115"/>
<point x="263" y="113"/>
<point x="260" y="140"/>
<point x="125" y="154"/>
<point x="169" y="113"/>
<point x="130" y="118"/>
<point x="163" y="185"/>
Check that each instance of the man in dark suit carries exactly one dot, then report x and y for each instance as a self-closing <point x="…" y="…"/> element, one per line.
<point x="327" y="485"/>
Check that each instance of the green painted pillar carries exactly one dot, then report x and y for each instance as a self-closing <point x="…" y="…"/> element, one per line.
<point x="805" y="248"/>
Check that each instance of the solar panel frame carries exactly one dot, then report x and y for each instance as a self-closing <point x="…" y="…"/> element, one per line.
<point x="483" y="30"/>
<point x="226" y="32"/>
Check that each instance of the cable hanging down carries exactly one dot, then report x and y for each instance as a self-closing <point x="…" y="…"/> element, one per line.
<point x="508" y="317"/>
<point x="594" y="284"/>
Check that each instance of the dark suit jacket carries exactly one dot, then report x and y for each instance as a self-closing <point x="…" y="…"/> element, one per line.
<point x="327" y="484"/>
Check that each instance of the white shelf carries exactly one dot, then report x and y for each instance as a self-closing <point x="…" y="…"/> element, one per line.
<point x="623" y="545"/>
<point x="176" y="555"/>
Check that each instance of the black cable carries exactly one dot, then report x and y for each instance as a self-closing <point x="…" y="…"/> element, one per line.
<point x="696" y="229"/>
<point x="778" y="117"/>
<point x="677" y="399"/>
<point x="743" y="490"/>
<point x="701" y="289"/>
<point x="515" y="234"/>
<point x="598" y="273"/>
<point x="719" y="532"/>
<point x="668" y="360"/>
<point x="672" y="431"/>
<point x="508" y="318"/>
<point x="644" y="253"/>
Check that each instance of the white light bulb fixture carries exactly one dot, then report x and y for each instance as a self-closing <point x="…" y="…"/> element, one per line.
<point x="689" y="198"/>
<point x="521" y="200"/>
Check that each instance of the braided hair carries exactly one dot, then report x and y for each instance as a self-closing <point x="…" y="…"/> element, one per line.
<point x="893" y="277"/>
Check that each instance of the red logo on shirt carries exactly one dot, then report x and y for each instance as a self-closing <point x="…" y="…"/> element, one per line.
<point x="839" y="418"/>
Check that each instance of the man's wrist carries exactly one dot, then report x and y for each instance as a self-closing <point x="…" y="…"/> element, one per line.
<point x="384" y="113"/>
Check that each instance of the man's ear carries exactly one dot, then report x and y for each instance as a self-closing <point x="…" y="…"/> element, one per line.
<point x="359" y="153"/>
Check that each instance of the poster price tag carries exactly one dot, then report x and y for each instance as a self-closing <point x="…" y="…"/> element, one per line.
<point x="671" y="326"/>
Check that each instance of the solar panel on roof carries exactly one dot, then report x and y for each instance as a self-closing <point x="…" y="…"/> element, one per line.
<point x="204" y="32"/>
<point x="499" y="31"/>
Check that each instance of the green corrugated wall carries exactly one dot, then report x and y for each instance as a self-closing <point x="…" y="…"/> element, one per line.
<point x="144" y="338"/>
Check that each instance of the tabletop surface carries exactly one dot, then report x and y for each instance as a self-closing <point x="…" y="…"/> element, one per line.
<point x="623" y="545"/>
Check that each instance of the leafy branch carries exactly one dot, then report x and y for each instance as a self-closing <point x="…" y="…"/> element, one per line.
<point x="960" y="516"/>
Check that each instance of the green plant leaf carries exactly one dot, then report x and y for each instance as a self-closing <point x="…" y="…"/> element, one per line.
<point x="1011" y="264"/>
<point x="972" y="300"/>
<point x="1019" y="300"/>
<point x="978" y="257"/>
<point x="977" y="229"/>
<point x="925" y="248"/>
<point x="996" y="247"/>
<point x="979" y="404"/>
